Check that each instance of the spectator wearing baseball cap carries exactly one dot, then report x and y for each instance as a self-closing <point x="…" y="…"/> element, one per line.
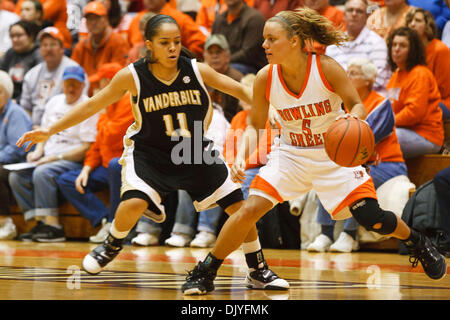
<point x="44" y="80"/>
<point x="35" y="190"/>
<point x="52" y="32"/>
<point x="119" y="22"/>
<point x="217" y="56"/>
<point x="101" y="169"/>
<point x="56" y="12"/>
<point x="75" y="73"/>
<point x="102" y="45"/>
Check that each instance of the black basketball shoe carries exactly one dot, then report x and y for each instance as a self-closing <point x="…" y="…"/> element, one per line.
<point x="200" y="280"/>
<point x="432" y="261"/>
<point x="265" y="278"/>
<point x="27" y="237"/>
<point x="98" y="258"/>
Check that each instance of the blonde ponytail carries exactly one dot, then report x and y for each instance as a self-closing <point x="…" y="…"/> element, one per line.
<point x="309" y="25"/>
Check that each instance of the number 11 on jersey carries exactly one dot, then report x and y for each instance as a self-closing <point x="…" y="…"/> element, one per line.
<point x="183" y="131"/>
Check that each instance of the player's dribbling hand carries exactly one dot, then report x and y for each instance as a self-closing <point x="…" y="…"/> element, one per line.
<point x="35" y="136"/>
<point x="348" y="115"/>
<point x="238" y="171"/>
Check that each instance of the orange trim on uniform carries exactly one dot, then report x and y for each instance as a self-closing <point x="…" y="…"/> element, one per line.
<point x="305" y="82"/>
<point x="269" y="83"/>
<point x="261" y="184"/>
<point x="366" y="190"/>
<point x="322" y="76"/>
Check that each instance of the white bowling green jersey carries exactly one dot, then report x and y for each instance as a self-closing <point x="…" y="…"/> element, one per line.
<point x="298" y="161"/>
<point x="304" y="118"/>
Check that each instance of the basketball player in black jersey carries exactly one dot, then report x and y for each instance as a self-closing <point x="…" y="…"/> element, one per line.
<point x="165" y="149"/>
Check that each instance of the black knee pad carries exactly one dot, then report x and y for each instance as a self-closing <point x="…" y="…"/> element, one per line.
<point x="368" y="213"/>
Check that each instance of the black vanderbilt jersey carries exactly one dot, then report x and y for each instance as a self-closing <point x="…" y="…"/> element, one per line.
<point x="167" y="114"/>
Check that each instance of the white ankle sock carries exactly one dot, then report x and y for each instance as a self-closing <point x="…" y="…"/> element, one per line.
<point x="117" y="234"/>
<point x="249" y="247"/>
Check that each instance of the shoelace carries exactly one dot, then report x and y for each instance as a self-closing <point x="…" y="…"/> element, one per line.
<point x="414" y="260"/>
<point x="192" y="273"/>
<point x="196" y="273"/>
<point x="419" y="255"/>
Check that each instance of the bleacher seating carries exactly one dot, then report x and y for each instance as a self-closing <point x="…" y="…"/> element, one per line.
<point x="75" y="225"/>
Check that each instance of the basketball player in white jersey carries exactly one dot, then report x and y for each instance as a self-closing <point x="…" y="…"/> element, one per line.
<point x="308" y="92"/>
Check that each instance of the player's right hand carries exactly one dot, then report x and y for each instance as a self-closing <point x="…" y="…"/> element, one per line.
<point x="35" y="136"/>
<point x="238" y="170"/>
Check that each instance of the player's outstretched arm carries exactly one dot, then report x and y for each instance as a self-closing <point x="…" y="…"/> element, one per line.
<point x="120" y="84"/>
<point x="338" y="79"/>
<point x="224" y="83"/>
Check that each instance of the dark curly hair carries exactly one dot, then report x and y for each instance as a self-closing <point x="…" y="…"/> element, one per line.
<point x="416" y="54"/>
<point x="30" y="28"/>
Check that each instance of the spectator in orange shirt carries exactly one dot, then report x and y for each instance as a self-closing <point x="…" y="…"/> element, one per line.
<point x="209" y="10"/>
<point x="119" y="22"/>
<point x="333" y="14"/>
<point x="386" y="163"/>
<point x="269" y="8"/>
<point x="55" y="11"/>
<point x="8" y="5"/>
<point x="437" y="54"/>
<point x="191" y="36"/>
<point x="101" y="168"/>
<point x="102" y="44"/>
<point x="385" y="19"/>
<point x="415" y="96"/>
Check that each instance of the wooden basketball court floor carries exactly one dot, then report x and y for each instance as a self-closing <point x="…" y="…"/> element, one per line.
<point x="40" y="271"/>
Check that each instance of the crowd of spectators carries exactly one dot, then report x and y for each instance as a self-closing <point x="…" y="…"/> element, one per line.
<point x="55" y="53"/>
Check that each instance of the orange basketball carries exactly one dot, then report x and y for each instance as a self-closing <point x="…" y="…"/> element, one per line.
<point x="349" y="142"/>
